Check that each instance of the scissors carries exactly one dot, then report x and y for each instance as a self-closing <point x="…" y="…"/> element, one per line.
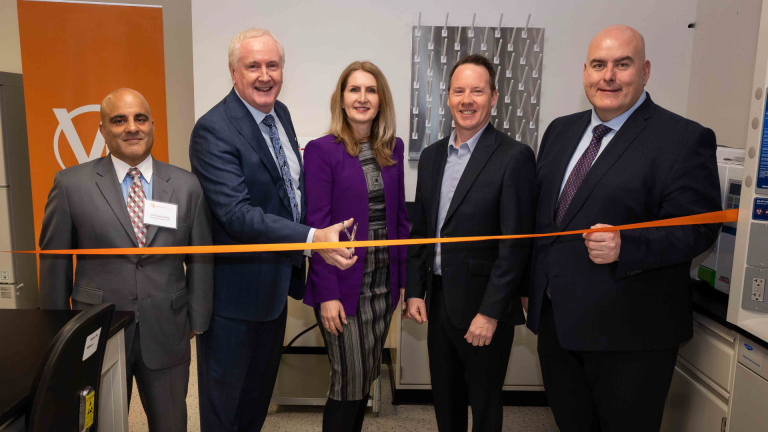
<point x="350" y="237"/>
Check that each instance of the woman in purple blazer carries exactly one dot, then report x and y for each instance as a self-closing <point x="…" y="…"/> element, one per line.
<point x="357" y="172"/>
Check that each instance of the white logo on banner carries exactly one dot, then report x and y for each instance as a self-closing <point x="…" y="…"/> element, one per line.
<point x="65" y="124"/>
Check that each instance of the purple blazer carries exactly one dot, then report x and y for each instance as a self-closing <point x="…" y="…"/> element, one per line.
<point x="336" y="191"/>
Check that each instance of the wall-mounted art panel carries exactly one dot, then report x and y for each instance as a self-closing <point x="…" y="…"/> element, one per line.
<point x="516" y="53"/>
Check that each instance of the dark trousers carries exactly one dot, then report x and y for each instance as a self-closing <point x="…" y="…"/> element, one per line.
<point x="603" y="391"/>
<point x="163" y="392"/>
<point x="463" y="374"/>
<point x="237" y="363"/>
<point x="344" y="416"/>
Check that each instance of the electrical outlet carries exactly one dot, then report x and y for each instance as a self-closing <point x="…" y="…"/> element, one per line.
<point x="758" y="289"/>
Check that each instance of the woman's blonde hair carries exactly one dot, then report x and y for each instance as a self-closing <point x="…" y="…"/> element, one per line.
<point x="383" y="128"/>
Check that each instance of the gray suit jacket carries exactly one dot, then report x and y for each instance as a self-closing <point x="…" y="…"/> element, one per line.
<point x="86" y="210"/>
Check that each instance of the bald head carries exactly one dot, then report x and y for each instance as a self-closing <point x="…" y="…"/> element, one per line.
<point x="127" y="126"/>
<point x="616" y="71"/>
<point x="619" y="36"/>
<point x="120" y="97"/>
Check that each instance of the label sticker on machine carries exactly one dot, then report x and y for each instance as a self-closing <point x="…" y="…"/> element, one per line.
<point x="762" y="163"/>
<point x="91" y="344"/>
<point x="760" y="209"/>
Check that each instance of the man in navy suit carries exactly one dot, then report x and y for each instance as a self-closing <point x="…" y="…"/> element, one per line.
<point x="245" y="152"/>
<point x="611" y="308"/>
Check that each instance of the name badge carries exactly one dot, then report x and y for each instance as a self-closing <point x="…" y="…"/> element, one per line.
<point x="160" y="213"/>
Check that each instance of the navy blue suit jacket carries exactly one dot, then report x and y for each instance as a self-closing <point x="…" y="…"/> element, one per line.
<point x="249" y="203"/>
<point x="658" y="166"/>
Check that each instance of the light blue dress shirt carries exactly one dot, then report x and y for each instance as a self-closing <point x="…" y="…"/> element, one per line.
<point x="290" y="156"/>
<point x="454" y="166"/>
<point x="615" y="124"/>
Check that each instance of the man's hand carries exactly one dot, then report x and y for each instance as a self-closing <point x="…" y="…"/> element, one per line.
<point x="332" y="315"/>
<point x="192" y="335"/>
<point x="417" y="310"/>
<point x="525" y="303"/>
<point x="342" y="258"/>
<point x="481" y="330"/>
<point x="404" y="308"/>
<point x="603" y="247"/>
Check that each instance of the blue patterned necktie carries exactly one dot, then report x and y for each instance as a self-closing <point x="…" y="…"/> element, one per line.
<point x="282" y="163"/>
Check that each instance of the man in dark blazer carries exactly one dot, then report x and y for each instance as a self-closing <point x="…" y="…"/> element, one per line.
<point x="245" y="152"/>
<point x="100" y="204"/>
<point x="477" y="182"/>
<point x="611" y="308"/>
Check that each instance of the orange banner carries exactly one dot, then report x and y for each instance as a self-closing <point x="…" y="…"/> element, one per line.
<point x="706" y="218"/>
<point x="73" y="55"/>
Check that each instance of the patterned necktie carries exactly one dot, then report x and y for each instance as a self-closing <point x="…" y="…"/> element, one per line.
<point x="136" y="206"/>
<point x="580" y="171"/>
<point x="282" y="162"/>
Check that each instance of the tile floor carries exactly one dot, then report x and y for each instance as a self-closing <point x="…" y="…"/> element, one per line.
<point x="400" y="418"/>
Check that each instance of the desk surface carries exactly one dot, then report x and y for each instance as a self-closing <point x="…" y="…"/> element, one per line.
<point x="25" y="336"/>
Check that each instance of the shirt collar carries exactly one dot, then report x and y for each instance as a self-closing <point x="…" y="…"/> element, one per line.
<point x="257" y="115"/>
<point x="617" y="122"/>
<point x="471" y="143"/>
<point x="121" y="168"/>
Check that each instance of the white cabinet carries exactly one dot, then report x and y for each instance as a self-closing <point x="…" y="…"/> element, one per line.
<point x="702" y="382"/>
<point x="692" y="406"/>
<point x="750" y="396"/>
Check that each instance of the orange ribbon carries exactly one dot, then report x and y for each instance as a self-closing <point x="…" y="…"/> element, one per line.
<point x="705" y="218"/>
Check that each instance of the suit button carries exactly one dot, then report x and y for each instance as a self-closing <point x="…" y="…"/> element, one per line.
<point x="556" y="242"/>
<point x="139" y="267"/>
<point x="134" y="296"/>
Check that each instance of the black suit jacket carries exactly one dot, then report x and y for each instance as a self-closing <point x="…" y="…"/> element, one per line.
<point x="249" y="203"/>
<point x="658" y="165"/>
<point x="496" y="195"/>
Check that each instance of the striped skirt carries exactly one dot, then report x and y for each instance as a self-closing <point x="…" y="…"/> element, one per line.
<point x="355" y="354"/>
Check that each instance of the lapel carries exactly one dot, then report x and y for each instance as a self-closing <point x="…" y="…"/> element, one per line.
<point x="389" y="176"/>
<point x="574" y="136"/>
<point x="283" y="116"/>
<point x="106" y="181"/>
<point x="246" y="125"/>
<point x="288" y="126"/>
<point x="618" y="145"/>
<point x="161" y="191"/>
<point x="483" y="151"/>
<point x="438" y="168"/>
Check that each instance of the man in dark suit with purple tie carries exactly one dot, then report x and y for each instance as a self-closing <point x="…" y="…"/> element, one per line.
<point x="612" y="308"/>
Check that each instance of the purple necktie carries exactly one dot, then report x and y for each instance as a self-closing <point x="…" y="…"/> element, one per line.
<point x="580" y="171"/>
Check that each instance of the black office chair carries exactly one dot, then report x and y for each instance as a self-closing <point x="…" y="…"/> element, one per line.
<point x="70" y="371"/>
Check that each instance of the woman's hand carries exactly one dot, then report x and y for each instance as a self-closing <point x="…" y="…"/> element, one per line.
<point x="332" y="315"/>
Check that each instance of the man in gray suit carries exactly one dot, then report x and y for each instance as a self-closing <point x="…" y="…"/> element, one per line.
<point x="101" y="204"/>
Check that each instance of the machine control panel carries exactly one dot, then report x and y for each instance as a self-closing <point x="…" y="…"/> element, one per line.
<point x="734" y="192"/>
